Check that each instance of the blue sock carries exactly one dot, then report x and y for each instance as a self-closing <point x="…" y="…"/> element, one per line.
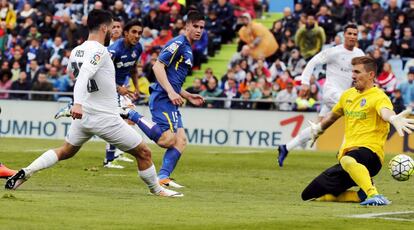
<point x="152" y="130"/>
<point x="171" y="157"/>
<point x="110" y="153"/>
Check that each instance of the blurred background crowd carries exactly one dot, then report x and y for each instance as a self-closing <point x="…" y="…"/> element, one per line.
<point x="36" y="38"/>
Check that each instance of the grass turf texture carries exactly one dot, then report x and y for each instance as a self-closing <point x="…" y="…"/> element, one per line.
<point x="226" y="188"/>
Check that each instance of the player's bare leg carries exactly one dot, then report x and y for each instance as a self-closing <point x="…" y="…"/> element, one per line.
<point x="147" y="171"/>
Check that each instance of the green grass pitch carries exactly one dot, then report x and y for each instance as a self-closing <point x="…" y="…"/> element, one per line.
<point x="226" y="188"/>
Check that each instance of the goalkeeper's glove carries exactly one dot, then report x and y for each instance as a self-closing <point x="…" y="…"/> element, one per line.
<point x="316" y="131"/>
<point x="401" y="123"/>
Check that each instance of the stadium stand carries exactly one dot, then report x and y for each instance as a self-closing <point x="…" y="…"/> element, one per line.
<point x="36" y="39"/>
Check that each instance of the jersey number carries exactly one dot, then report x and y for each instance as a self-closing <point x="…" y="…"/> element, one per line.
<point x="92" y="86"/>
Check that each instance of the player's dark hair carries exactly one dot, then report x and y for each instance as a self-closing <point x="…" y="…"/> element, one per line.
<point x="368" y="62"/>
<point x="130" y="24"/>
<point x="96" y="18"/>
<point x="117" y="19"/>
<point x="350" y="26"/>
<point x="195" y="16"/>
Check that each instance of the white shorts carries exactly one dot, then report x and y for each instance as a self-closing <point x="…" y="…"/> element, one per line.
<point x="112" y="129"/>
<point x="330" y="98"/>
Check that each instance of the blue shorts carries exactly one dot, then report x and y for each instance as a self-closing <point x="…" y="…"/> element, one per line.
<point x="164" y="113"/>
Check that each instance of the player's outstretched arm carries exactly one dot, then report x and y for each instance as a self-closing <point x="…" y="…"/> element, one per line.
<point x="195" y="99"/>
<point x="317" y="129"/>
<point x="399" y="121"/>
<point x="319" y="59"/>
<point x="161" y="75"/>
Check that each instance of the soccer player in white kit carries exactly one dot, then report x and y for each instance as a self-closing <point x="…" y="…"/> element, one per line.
<point x="338" y="79"/>
<point x="95" y="110"/>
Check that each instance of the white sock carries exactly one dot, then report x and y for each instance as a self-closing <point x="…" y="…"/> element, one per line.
<point x="46" y="160"/>
<point x="149" y="176"/>
<point x="302" y="138"/>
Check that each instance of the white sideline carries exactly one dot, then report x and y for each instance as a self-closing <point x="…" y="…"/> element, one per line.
<point x="380" y="216"/>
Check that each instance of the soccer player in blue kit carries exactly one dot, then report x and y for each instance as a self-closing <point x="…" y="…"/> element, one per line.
<point x="125" y="53"/>
<point x="171" y="69"/>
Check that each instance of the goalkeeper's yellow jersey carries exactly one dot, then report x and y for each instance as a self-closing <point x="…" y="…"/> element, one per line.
<point x="364" y="126"/>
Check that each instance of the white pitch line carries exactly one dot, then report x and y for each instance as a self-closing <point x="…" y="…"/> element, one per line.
<point x="381" y="215"/>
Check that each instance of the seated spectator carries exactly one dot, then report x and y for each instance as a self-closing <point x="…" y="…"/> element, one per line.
<point x="397" y="101"/>
<point x="194" y="89"/>
<point x="230" y="91"/>
<point x="5" y="83"/>
<point x="213" y="28"/>
<point x="364" y="41"/>
<point x="277" y="69"/>
<point x="286" y="98"/>
<point x="35" y="52"/>
<point x="143" y="86"/>
<point x="372" y="14"/>
<point x="243" y="54"/>
<point x="225" y="77"/>
<point x="146" y="37"/>
<point x="21" y="84"/>
<point x="406" y="47"/>
<point x="244" y="85"/>
<point x="245" y="103"/>
<point x="407" y="88"/>
<point x="239" y="72"/>
<point x="226" y="17"/>
<point x="153" y="20"/>
<point x="387" y="80"/>
<point x="119" y="11"/>
<point x="166" y="6"/>
<point x="200" y="50"/>
<point x="177" y="27"/>
<point x="242" y="6"/>
<point x="304" y="102"/>
<point x="162" y="39"/>
<point x="296" y="63"/>
<point x="208" y="74"/>
<point x="212" y="91"/>
<point x="255" y="91"/>
<point x="266" y="95"/>
<point x="16" y="70"/>
<point x="42" y="85"/>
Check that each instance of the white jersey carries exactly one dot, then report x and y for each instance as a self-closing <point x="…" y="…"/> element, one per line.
<point x="95" y="87"/>
<point x="338" y="70"/>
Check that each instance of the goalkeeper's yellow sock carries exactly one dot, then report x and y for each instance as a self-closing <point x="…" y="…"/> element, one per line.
<point x="347" y="196"/>
<point x="359" y="174"/>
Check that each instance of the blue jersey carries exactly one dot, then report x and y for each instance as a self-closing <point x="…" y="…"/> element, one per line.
<point x="124" y="59"/>
<point x="177" y="56"/>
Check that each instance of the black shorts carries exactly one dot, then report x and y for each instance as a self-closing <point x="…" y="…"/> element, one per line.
<point x="335" y="180"/>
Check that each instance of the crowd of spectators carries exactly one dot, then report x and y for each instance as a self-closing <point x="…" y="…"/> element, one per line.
<point x="385" y="33"/>
<point x="36" y="38"/>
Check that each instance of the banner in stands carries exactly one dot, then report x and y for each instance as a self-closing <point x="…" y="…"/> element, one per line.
<point x="219" y="127"/>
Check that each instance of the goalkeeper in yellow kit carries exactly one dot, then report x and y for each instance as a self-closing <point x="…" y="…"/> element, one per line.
<point x="367" y="111"/>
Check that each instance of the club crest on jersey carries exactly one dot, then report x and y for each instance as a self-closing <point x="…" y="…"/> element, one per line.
<point x="172" y="47"/>
<point x="188" y="62"/>
<point x="96" y="59"/>
<point x="133" y="55"/>
<point x="363" y="102"/>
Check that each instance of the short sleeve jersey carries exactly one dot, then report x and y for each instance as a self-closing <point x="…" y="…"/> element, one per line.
<point x="124" y="58"/>
<point x="364" y="126"/>
<point x="177" y="56"/>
